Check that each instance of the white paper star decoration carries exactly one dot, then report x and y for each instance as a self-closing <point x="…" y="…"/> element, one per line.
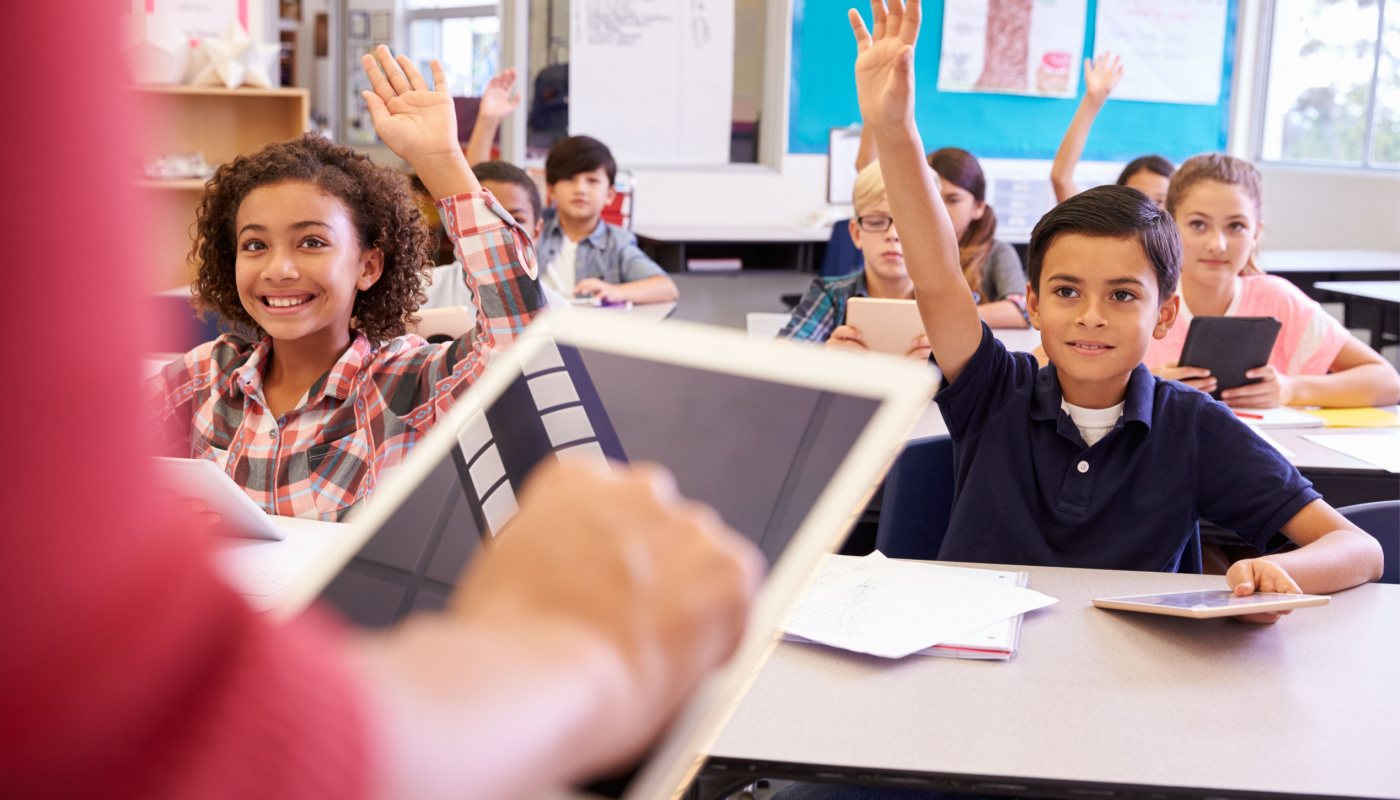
<point x="220" y="62"/>
<point x="258" y="61"/>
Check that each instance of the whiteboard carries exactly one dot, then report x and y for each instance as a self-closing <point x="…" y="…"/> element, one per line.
<point x="1028" y="47"/>
<point x="653" y="79"/>
<point x="1173" y="50"/>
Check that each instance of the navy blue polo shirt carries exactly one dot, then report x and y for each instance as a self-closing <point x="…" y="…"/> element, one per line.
<point x="1029" y="491"/>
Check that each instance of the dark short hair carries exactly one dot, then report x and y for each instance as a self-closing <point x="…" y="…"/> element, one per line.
<point x="1156" y="164"/>
<point x="501" y="172"/>
<point x="1112" y="212"/>
<point x="568" y="157"/>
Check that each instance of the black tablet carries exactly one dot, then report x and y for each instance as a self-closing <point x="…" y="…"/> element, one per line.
<point x="1229" y="347"/>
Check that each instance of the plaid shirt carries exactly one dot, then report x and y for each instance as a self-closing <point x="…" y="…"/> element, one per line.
<point x="364" y="415"/>
<point x="823" y="308"/>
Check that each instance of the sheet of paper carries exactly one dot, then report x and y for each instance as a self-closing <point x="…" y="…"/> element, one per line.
<point x="654" y="79"/>
<point x="1281" y="417"/>
<point x="1173" y="50"/>
<point x="1030" y="47"/>
<point x="262" y="571"/>
<point x="843" y="145"/>
<point x="1377" y="449"/>
<point x="894" y="608"/>
<point x="1355" y="417"/>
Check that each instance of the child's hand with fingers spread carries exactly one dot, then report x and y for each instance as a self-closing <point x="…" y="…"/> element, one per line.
<point x="1101" y="75"/>
<point x="418" y="123"/>
<point x="885" y="64"/>
<point x="1260" y="575"/>
<point x="498" y="101"/>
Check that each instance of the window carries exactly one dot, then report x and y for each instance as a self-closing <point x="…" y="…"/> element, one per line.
<point x="1333" y="83"/>
<point x="464" y="35"/>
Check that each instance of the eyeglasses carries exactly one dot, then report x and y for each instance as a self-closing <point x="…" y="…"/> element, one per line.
<point x="874" y="224"/>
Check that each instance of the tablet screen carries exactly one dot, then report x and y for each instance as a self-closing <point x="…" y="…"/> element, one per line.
<point x="760" y="452"/>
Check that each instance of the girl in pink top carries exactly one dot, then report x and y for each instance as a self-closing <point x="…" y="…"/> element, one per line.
<point x="1315" y="362"/>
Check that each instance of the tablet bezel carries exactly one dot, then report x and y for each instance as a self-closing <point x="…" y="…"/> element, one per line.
<point x="1282" y="602"/>
<point x="903" y="387"/>
<point x="240" y="515"/>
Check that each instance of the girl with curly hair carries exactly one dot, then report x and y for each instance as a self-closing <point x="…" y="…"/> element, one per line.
<point x="321" y="254"/>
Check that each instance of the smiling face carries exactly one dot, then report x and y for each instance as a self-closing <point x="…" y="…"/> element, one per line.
<point x="300" y="265"/>
<point x="963" y="207"/>
<point x="583" y="196"/>
<point x="883" y="253"/>
<point x="1150" y="184"/>
<point x="1097" y="308"/>
<point x="1219" y="229"/>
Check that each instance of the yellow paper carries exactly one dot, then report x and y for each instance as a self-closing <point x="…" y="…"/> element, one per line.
<point x="1356" y="417"/>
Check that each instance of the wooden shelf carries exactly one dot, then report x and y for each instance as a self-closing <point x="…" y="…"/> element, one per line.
<point x="219" y="91"/>
<point x="183" y="184"/>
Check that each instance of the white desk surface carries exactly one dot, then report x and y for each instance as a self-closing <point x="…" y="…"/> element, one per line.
<point x="1386" y="291"/>
<point x="1306" y="706"/>
<point x="732" y="233"/>
<point x="262" y="571"/>
<point x="1330" y="260"/>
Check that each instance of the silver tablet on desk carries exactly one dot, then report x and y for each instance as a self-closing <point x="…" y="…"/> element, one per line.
<point x="787" y="444"/>
<point x="203" y="482"/>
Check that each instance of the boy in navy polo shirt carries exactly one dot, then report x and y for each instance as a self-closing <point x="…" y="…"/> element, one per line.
<point x="1091" y="461"/>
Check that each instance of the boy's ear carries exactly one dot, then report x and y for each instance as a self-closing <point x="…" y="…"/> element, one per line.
<point x="1166" y="316"/>
<point x="371" y="269"/>
<point x="612" y="195"/>
<point x="537" y="229"/>
<point x="1032" y="305"/>
<point x="549" y="195"/>
<point x="855" y="232"/>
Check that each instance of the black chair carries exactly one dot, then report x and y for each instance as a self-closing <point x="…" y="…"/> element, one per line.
<point x="1381" y="520"/>
<point x="918" y="500"/>
<point x="842" y="257"/>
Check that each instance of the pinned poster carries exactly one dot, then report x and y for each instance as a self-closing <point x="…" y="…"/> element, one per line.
<point x="653" y="78"/>
<point x="1173" y="50"/>
<point x="1030" y="47"/>
<point x="203" y="19"/>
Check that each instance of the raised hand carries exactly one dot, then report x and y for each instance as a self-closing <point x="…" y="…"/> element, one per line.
<point x="1101" y="75"/>
<point x="498" y="101"/>
<point x="419" y="124"/>
<point x="885" y="62"/>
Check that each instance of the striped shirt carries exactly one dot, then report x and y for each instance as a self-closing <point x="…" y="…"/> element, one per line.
<point x="324" y="457"/>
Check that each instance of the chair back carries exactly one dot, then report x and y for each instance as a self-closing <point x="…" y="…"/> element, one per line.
<point x="842" y="257"/>
<point x="1381" y="520"/>
<point x="918" y="500"/>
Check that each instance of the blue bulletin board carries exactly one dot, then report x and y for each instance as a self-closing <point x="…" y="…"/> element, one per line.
<point x="988" y="125"/>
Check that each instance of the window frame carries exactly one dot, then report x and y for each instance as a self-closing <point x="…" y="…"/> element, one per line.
<point x="1267" y="20"/>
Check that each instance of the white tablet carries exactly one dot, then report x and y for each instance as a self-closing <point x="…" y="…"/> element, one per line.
<point x="203" y="481"/>
<point x="886" y="326"/>
<point x="787" y="444"/>
<point x="1213" y="603"/>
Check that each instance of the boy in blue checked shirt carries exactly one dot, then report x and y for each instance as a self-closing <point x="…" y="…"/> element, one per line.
<point x="1090" y="461"/>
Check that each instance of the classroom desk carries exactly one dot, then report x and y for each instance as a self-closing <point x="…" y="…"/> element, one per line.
<point x="650" y="312"/>
<point x="1096" y="703"/>
<point x="1373" y="305"/>
<point x="1305" y="268"/>
<point x="792" y="247"/>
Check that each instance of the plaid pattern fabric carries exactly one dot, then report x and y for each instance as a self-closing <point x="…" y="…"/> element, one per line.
<point x="823" y="308"/>
<point x="323" y="458"/>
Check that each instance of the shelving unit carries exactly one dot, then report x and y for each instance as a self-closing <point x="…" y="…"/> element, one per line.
<point x="221" y="124"/>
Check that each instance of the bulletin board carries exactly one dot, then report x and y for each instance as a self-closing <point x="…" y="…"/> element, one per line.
<point x="989" y="125"/>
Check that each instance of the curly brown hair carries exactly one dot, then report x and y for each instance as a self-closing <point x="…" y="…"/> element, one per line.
<point x="381" y="205"/>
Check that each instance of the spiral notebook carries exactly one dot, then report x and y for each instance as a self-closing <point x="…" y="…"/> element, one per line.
<point x="995" y="642"/>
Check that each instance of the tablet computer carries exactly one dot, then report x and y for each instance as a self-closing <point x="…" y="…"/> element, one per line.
<point x="1211" y="603"/>
<point x="787" y="444"/>
<point x="886" y="326"/>
<point x="203" y="481"/>
<point x="1229" y="347"/>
